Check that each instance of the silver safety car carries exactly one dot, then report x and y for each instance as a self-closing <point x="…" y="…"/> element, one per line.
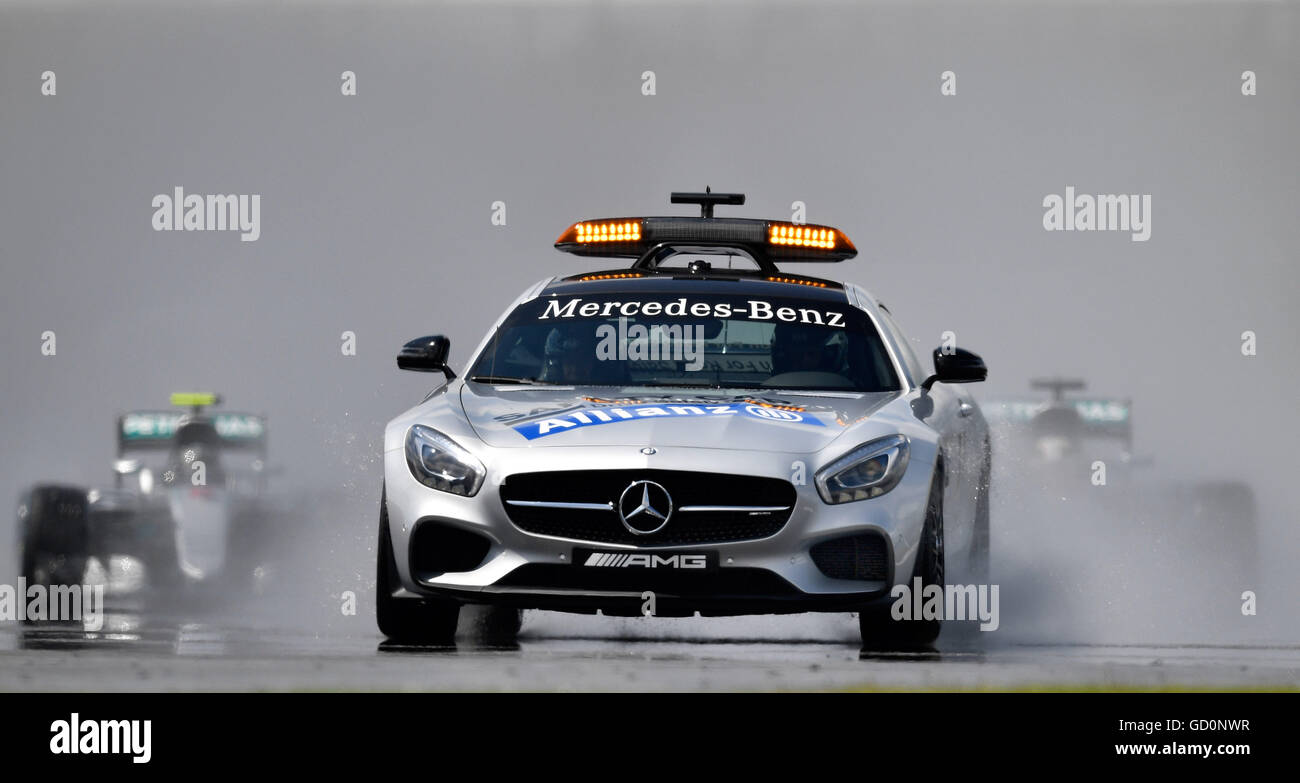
<point x="699" y="432"/>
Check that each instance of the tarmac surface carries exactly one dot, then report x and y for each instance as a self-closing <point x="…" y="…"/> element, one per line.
<point x="554" y="652"/>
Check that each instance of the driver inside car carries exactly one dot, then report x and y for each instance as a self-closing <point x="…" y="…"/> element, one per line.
<point x="796" y="348"/>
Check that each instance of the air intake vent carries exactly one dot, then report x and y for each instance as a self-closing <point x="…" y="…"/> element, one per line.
<point x="862" y="557"/>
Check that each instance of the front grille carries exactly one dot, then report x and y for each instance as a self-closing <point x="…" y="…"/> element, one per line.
<point x="684" y="527"/>
<point x="862" y="556"/>
<point x="718" y="583"/>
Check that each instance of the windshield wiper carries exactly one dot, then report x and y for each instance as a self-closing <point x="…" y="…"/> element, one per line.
<point x="720" y="386"/>
<point x="505" y="379"/>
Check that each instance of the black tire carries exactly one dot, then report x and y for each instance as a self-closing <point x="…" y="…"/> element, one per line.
<point x="878" y="627"/>
<point x="499" y="625"/>
<point x="54" y="531"/>
<point x="411" y="620"/>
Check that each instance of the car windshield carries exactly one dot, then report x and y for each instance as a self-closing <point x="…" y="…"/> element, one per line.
<point x="742" y="342"/>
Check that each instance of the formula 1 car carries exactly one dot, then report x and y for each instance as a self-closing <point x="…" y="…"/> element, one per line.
<point x="699" y="433"/>
<point x="1082" y="448"/>
<point x="187" y="501"/>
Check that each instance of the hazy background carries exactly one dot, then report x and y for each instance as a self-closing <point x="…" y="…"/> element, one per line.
<point x="376" y="208"/>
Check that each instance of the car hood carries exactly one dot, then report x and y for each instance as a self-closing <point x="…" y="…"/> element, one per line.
<point x="514" y="416"/>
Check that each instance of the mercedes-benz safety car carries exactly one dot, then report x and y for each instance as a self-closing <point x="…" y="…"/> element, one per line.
<point x="186" y="504"/>
<point x="698" y="432"/>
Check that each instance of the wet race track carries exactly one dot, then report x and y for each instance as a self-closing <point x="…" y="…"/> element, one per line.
<point x="1085" y="603"/>
<point x="567" y="653"/>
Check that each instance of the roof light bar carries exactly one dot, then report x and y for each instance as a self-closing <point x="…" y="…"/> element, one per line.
<point x="603" y="231"/>
<point x="645" y="238"/>
<point x="802" y="236"/>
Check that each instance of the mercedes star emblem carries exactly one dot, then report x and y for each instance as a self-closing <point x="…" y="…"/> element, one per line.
<point x="645" y="507"/>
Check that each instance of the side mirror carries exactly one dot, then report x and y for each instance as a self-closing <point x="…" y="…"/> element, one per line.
<point x="426" y="354"/>
<point x="960" y="366"/>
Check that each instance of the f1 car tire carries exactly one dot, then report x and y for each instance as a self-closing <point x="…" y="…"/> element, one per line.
<point x="54" y="535"/>
<point x="415" y="620"/>
<point x="878" y="627"/>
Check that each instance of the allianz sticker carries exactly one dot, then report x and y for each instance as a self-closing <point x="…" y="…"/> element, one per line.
<point x="591" y="417"/>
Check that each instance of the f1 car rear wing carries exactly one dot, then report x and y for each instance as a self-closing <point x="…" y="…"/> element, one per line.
<point x="155" y="429"/>
<point x="1102" y="417"/>
<point x="651" y="239"/>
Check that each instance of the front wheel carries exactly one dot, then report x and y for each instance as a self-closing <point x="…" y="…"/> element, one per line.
<point x="53" y="535"/>
<point x="878" y="626"/>
<point x="500" y="625"/>
<point x="417" y="620"/>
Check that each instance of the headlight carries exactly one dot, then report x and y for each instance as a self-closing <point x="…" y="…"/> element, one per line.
<point x="437" y="461"/>
<point x="870" y="470"/>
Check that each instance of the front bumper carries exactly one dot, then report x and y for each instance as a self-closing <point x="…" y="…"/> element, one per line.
<point x="776" y="574"/>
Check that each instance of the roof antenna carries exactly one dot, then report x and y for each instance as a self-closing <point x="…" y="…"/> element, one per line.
<point x="707" y="200"/>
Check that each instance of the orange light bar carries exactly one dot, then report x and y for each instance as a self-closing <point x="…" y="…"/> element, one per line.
<point x="606" y="231"/>
<point x="610" y="276"/>
<point x="796" y="281"/>
<point x="819" y="237"/>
